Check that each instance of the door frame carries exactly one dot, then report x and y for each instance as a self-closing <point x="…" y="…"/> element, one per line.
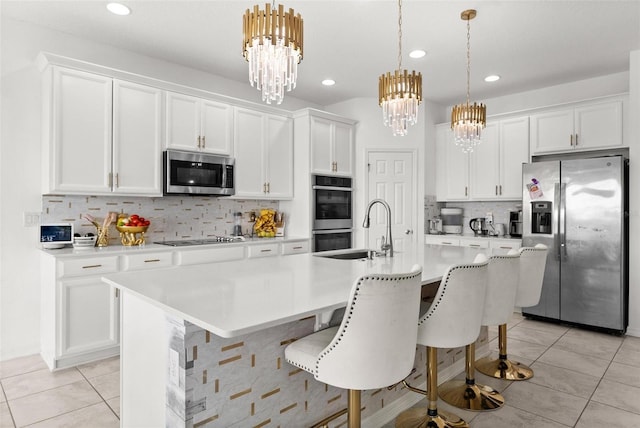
<point x="414" y="178"/>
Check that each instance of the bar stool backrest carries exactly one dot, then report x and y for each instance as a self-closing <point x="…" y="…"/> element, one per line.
<point x="375" y="344"/>
<point x="532" y="264"/>
<point x="504" y="274"/>
<point x="453" y="319"/>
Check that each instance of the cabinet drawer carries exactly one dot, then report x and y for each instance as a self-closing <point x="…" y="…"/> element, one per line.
<point x="196" y="257"/>
<point x="295" y="247"/>
<point x="146" y="261"/>
<point x="264" y="250"/>
<point x="506" y="244"/>
<point x="441" y="240"/>
<point x="93" y="266"/>
<point x="475" y="243"/>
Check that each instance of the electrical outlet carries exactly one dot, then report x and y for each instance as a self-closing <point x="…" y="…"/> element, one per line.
<point x="30" y="219"/>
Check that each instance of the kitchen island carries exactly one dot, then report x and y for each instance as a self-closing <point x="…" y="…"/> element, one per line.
<point x="204" y="345"/>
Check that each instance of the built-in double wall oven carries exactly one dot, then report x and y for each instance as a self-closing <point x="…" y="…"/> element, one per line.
<point x="332" y="213"/>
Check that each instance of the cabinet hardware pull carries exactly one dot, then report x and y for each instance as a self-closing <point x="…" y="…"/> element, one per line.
<point x="466" y="191"/>
<point x="265" y="251"/>
<point x="576" y="139"/>
<point x="447" y="243"/>
<point x="152" y="260"/>
<point x="507" y="248"/>
<point x="571" y="140"/>
<point x="91" y="266"/>
<point x="500" y="189"/>
<point x="264" y="187"/>
<point x="117" y="292"/>
<point x="474" y="245"/>
<point x="117" y="180"/>
<point x="297" y="248"/>
<point x="110" y="179"/>
<point x="268" y="187"/>
<point x="199" y="138"/>
<point x="204" y="143"/>
<point x="496" y="189"/>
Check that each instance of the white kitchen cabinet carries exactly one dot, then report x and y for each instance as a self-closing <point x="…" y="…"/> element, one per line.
<point x="262" y="250"/>
<point x="79" y="312"/>
<point x="492" y="171"/>
<point x="137" y="139"/>
<point x="198" y="124"/>
<point x="103" y="136"/>
<point x="474" y="242"/>
<point x="331" y="147"/>
<point x="452" y="167"/>
<point x="505" y="244"/>
<point x="147" y="261"/>
<point x="584" y="126"/>
<point x="296" y="247"/>
<point x="209" y="255"/>
<point x="442" y="240"/>
<point x="263" y="148"/>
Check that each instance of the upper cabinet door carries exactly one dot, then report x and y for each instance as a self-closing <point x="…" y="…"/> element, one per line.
<point x="514" y="151"/>
<point x="484" y="180"/>
<point x="321" y="156"/>
<point x="552" y="131"/>
<point x="216" y="127"/>
<point x="137" y="145"/>
<point x="249" y="153"/>
<point x="80" y="130"/>
<point x="279" y="157"/>
<point x="598" y="125"/>
<point x="183" y="122"/>
<point x="452" y="167"/>
<point x="343" y="149"/>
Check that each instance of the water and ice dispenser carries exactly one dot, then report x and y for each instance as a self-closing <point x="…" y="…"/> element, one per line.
<point x="541" y="217"/>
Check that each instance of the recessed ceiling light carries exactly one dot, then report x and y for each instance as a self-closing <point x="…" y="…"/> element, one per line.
<point x="328" y="82"/>
<point x="118" y="9"/>
<point x="418" y="53"/>
<point x="492" y="78"/>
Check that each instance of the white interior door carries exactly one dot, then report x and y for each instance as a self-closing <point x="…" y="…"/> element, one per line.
<point x="391" y="177"/>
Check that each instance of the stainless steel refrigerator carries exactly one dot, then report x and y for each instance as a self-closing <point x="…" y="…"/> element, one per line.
<point x="578" y="209"/>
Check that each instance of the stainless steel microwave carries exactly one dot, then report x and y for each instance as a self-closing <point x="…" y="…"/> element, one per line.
<point x="197" y="173"/>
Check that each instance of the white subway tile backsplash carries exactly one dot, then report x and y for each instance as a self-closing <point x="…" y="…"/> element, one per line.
<point x="172" y="217"/>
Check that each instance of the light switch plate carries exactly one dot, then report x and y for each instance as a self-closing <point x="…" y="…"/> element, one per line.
<point x="30" y="219"/>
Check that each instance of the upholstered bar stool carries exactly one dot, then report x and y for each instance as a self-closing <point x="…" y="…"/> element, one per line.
<point x="529" y="287"/>
<point x="375" y="344"/>
<point x="504" y="271"/>
<point x="453" y="320"/>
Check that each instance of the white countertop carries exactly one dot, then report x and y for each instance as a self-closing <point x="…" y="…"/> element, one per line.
<point x="69" y="251"/>
<point x="244" y="296"/>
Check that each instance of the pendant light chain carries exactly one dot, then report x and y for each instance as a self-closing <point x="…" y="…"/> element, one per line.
<point x="468" y="58"/>
<point x="399" y="34"/>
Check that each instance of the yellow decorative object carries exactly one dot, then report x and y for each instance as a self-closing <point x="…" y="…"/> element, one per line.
<point x="103" y="236"/>
<point x="265" y="225"/>
<point x="129" y="235"/>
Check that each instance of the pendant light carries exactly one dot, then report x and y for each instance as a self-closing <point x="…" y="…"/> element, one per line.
<point x="400" y="93"/>
<point x="468" y="120"/>
<point x="272" y="44"/>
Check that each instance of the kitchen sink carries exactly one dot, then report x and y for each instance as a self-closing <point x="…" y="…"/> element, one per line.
<point x="346" y="255"/>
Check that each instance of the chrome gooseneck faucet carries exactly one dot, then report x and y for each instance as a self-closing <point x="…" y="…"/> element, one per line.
<point x="387" y="243"/>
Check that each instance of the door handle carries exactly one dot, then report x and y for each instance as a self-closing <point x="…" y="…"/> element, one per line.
<point x="408" y="232"/>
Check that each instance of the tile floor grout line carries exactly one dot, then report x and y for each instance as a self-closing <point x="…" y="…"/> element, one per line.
<point x="98" y="392"/>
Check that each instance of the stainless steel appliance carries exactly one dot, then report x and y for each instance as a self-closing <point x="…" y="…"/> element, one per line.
<point x="205" y="241"/>
<point x="435" y="226"/>
<point x="479" y="226"/>
<point x="332" y="212"/>
<point x="578" y="208"/>
<point x="451" y="220"/>
<point x="515" y="223"/>
<point x="197" y="173"/>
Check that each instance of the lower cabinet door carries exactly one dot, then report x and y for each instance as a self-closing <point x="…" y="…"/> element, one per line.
<point x="89" y="316"/>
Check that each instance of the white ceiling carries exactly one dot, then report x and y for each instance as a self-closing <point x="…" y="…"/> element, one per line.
<point x="531" y="44"/>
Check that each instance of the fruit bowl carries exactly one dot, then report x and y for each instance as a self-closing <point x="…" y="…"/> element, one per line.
<point x="129" y="234"/>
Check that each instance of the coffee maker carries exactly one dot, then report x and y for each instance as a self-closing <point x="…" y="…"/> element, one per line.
<point x="515" y="223"/>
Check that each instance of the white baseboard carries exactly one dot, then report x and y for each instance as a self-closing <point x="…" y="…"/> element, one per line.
<point x="632" y="331"/>
<point x="390" y="411"/>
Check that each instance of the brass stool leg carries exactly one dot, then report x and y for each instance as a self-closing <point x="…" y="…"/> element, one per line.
<point x="353" y="404"/>
<point x="503" y="368"/>
<point x="432" y="418"/>
<point x="467" y="394"/>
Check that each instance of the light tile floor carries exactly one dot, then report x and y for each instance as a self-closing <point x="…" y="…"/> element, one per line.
<point x="582" y="379"/>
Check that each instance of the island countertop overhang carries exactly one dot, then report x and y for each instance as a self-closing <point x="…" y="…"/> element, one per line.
<point x="244" y="296"/>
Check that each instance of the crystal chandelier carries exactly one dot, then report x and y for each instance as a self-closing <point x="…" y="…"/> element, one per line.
<point x="400" y="92"/>
<point x="272" y="45"/>
<point x="468" y="120"/>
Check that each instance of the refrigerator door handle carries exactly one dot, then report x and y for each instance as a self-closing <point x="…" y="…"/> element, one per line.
<point x="562" y="220"/>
